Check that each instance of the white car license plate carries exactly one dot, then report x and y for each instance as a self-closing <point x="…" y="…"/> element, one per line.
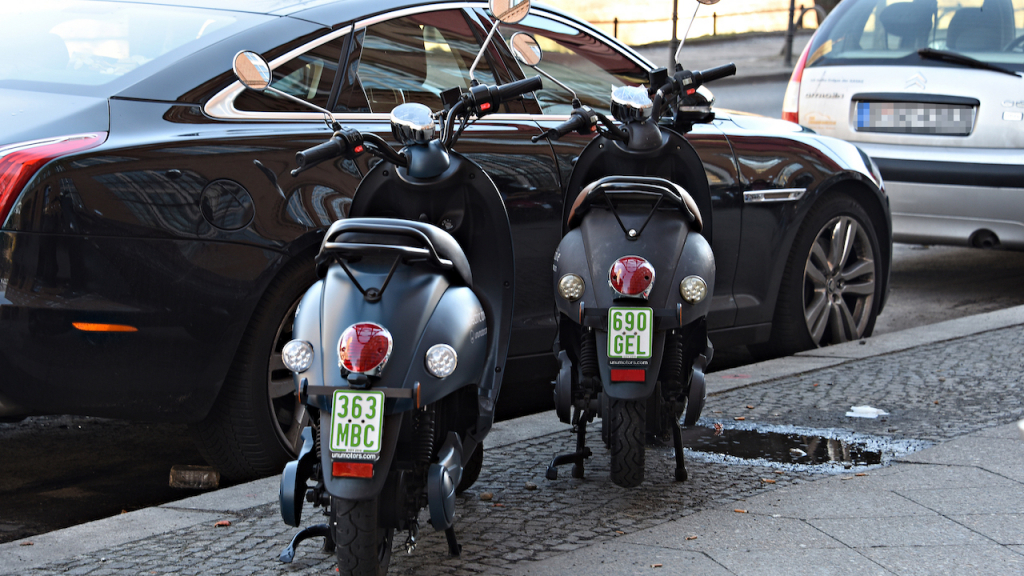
<point x="915" y="118"/>
<point x="629" y="332"/>
<point x="357" y="418"/>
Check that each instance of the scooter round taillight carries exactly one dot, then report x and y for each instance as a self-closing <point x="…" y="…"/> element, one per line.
<point x="632" y="277"/>
<point x="364" y="348"/>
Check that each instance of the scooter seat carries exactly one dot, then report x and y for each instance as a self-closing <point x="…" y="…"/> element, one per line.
<point x="675" y="195"/>
<point x="355" y="236"/>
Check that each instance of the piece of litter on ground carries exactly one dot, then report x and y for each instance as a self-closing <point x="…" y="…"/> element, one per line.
<point x="619" y="532"/>
<point x="691" y="537"/>
<point x="531" y="486"/>
<point x="739" y="511"/>
<point x="27" y="543"/>
<point x="779" y="472"/>
<point x="498" y="505"/>
<point x="750" y="406"/>
<point x="861" y="474"/>
<point x="846" y="478"/>
<point x="655" y="565"/>
<point x="866" y="412"/>
<point x="223" y="523"/>
<point x="486" y="496"/>
<point x="739" y="418"/>
<point x="797" y="453"/>
<point x="767" y="480"/>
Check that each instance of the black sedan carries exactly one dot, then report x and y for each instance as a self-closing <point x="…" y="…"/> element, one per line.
<point x="153" y="245"/>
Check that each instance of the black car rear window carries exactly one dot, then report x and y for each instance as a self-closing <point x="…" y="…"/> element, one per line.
<point x="78" y="43"/>
<point x="880" y="32"/>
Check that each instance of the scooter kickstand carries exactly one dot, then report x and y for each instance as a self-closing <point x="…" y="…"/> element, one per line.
<point x="677" y="441"/>
<point x="577" y="457"/>
<point x="311" y="532"/>
<point x="454" y="548"/>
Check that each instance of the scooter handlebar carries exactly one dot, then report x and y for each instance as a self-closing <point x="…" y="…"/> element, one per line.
<point x="333" y="148"/>
<point x="513" y="89"/>
<point x="716" y="73"/>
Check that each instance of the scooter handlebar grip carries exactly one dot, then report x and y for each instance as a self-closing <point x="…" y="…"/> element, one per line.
<point x="574" y="123"/>
<point x="513" y="89"/>
<point x="712" y="74"/>
<point x="331" y="149"/>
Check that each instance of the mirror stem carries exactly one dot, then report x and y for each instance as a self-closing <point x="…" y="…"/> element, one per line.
<point x="483" y="48"/>
<point x="556" y="81"/>
<point x="287" y="96"/>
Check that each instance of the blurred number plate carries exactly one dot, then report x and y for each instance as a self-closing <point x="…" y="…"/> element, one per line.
<point x="915" y="118"/>
<point x="629" y="332"/>
<point x="356" y="421"/>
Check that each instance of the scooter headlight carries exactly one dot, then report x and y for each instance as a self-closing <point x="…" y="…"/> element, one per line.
<point x="693" y="289"/>
<point x="571" y="287"/>
<point x="441" y="360"/>
<point x="297" y="355"/>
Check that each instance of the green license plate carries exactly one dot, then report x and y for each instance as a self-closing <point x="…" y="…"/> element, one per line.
<point x="357" y="419"/>
<point x="629" y="332"/>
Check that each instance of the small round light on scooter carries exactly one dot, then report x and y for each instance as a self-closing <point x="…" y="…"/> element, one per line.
<point x="297" y="355"/>
<point x="364" y="348"/>
<point x="441" y="360"/>
<point x="571" y="287"/>
<point x="693" y="289"/>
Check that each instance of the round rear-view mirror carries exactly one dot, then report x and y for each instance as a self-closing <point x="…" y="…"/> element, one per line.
<point x="510" y="11"/>
<point x="252" y="70"/>
<point x="525" y="48"/>
<point x="708" y="2"/>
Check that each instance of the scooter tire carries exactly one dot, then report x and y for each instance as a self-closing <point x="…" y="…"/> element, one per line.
<point x="362" y="546"/>
<point x="627" y="432"/>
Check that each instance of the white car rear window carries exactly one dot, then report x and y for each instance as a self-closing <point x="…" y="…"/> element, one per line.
<point x="892" y="31"/>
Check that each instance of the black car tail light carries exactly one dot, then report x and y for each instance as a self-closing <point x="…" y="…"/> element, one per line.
<point x="19" y="162"/>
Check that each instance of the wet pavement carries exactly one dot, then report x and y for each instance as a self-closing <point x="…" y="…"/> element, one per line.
<point x="948" y="500"/>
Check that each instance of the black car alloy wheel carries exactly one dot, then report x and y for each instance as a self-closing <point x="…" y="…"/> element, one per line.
<point x="830" y="287"/>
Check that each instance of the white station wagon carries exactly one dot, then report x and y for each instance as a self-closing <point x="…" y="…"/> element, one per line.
<point x="932" y="91"/>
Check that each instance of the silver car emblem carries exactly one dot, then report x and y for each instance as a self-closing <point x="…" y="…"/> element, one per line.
<point x="917" y="80"/>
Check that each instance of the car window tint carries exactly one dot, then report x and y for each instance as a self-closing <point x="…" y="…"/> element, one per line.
<point x="583" y="62"/>
<point x="891" y="31"/>
<point x="308" y="77"/>
<point x="415" y="58"/>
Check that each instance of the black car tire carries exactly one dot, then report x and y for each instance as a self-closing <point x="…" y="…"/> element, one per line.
<point x="361" y="546"/>
<point x="831" y="286"/>
<point x="626" y="432"/>
<point x="252" y="429"/>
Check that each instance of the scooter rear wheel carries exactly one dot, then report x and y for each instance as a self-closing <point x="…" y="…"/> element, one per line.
<point x="362" y="546"/>
<point x="628" y="427"/>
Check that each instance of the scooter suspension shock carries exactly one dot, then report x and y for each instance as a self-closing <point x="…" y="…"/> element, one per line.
<point x="588" y="354"/>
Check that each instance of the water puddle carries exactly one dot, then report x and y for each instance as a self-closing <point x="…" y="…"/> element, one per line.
<point x="793" y="447"/>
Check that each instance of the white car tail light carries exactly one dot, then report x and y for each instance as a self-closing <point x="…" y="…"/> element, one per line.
<point x="791" y="102"/>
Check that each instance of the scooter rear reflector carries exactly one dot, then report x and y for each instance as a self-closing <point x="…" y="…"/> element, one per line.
<point x="364" y="348"/>
<point x="352" y="470"/>
<point x="622" y="375"/>
<point x="631" y="277"/>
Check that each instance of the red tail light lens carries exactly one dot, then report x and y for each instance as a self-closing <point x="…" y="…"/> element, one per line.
<point x="631" y="276"/>
<point x="19" y="162"/>
<point x="364" y="348"/>
<point x="791" y="101"/>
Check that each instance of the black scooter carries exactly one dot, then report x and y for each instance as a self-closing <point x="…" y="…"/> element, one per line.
<point x="399" y="348"/>
<point x="633" y="272"/>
